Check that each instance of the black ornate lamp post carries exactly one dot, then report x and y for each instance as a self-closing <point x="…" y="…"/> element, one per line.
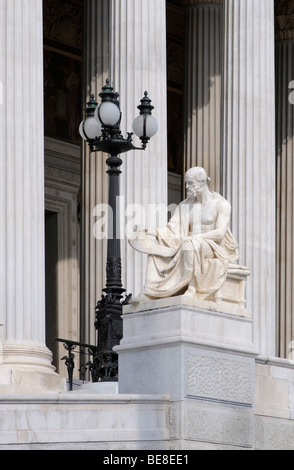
<point x="101" y="129"/>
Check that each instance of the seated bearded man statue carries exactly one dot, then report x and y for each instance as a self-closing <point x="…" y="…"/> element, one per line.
<point x="191" y="255"/>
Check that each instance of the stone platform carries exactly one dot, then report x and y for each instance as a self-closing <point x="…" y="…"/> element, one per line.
<point x="83" y="421"/>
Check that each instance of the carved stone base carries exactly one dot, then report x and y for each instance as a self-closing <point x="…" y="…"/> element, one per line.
<point x="203" y="359"/>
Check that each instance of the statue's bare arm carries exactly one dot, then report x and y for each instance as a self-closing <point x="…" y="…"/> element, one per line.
<point x="222" y="223"/>
<point x="151" y="231"/>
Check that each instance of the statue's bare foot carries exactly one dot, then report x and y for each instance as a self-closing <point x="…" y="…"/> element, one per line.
<point x="192" y="294"/>
<point x="191" y="291"/>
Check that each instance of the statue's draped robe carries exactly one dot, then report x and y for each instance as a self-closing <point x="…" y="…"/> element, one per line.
<point x="173" y="262"/>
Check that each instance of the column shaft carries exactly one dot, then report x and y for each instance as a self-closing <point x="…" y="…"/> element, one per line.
<point x="138" y="63"/>
<point x="125" y="42"/>
<point x="94" y="180"/>
<point x="249" y="152"/>
<point x="285" y="201"/>
<point x="22" y="194"/>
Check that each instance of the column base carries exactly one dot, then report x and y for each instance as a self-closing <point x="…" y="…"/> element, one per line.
<point x="27" y="368"/>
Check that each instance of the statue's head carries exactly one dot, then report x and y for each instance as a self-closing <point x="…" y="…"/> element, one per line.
<point x="197" y="172"/>
<point x="196" y="181"/>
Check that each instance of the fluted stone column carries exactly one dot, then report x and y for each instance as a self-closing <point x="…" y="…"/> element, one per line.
<point x="132" y="67"/>
<point x="138" y="55"/>
<point x="25" y="362"/>
<point x="285" y="169"/>
<point x="249" y="152"/>
<point x="202" y="112"/>
<point x="94" y="180"/>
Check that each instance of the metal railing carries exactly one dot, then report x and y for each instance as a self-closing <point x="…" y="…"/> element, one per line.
<point x="90" y="360"/>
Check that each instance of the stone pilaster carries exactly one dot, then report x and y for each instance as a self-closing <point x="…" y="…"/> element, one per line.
<point x="94" y="180"/>
<point x="202" y="111"/>
<point x="139" y="65"/>
<point x="25" y="362"/>
<point x="285" y="168"/>
<point x="249" y="152"/>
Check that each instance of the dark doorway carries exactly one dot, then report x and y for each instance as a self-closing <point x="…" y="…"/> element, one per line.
<point x="51" y="262"/>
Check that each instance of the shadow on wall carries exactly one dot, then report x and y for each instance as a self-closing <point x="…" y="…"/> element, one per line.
<point x="284" y="48"/>
<point x="51" y="260"/>
<point x="204" y="31"/>
<point x="284" y="51"/>
<point x="203" y="84"/>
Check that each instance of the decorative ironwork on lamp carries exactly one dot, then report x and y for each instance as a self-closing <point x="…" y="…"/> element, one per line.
<point x="101" y="130"/>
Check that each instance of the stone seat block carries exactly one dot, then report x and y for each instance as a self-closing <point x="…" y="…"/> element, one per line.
<point x="233" y="290"/>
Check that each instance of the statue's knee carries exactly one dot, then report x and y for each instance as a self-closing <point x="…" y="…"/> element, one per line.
<point x="197" y="244"/>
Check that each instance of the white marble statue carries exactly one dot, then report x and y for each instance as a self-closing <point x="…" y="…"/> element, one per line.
<point x="191" y="255"/>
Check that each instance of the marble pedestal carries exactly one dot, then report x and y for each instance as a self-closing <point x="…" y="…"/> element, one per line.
<point x="203" y="358"/>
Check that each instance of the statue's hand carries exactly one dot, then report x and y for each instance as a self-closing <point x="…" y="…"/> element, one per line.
<point x="140" y="228"/>
<point x="198" y="236"/>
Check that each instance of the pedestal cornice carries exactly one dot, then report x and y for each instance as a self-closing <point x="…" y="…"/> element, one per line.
<point x="181" y="319"/>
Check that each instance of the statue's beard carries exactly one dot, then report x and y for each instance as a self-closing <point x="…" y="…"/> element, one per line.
<point x="191" y="192"/>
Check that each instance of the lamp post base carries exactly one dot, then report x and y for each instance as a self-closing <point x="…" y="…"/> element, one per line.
<point x="110" y="332"/>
